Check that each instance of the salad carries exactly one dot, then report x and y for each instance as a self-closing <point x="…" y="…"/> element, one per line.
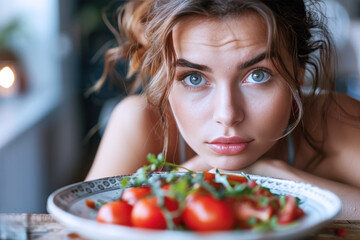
<point x="196" y="201"/>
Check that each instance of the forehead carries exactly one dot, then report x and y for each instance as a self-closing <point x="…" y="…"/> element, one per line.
<point x="230" y="32"/>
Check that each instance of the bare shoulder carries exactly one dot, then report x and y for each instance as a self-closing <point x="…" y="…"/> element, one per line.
<point x="343" y="112"/>
<point x="343" y="144"/>
<point x="132" y="132"/>
<point x="342" y="139"/>
<point x="134" y="109"/>
<point x="347" y="103"/>
<point x="344" y="117"/>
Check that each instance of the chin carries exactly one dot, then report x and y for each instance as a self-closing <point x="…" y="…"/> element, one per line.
<point x="229" y="163"/>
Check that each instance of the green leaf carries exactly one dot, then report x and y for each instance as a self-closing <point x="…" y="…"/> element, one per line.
<point x="252" y="221"/>
<point x="245" y="176"/>
<point x="264" y="201"/>
<point x="141" y="177"/>
<point x="282" y="201"/>
<point x="168" y="218"/>
<point x="180" y="189"/>
<point x="273" y="222"/>
<point x="223" y="180"/>
<point x="155" y="184"/>
<point x="199" y="177"/>
<point x="151" y="158"/>
<point x="125" y="182"/>
<point x="160" y="157"/>
<point x="216" y="193"/>
<point x="170" y="177"/>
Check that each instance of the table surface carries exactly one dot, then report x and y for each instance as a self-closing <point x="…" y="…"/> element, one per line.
<point x="44" y="226"/>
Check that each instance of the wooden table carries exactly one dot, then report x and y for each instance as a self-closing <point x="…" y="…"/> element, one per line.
<point x="44" y="226"/>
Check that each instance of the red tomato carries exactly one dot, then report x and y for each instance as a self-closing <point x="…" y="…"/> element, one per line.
<point x="90" y="203"/>
<point x="206" y="213"/>
<point x="263" y="192"/>
<point x="118" y="212"/>
<point x="132" y="195"/>
<point x="237" y="178"/>
<point x="252" y="184"/>
<point x="299" y="213"/>
<point x="210" y="178"/>
<point x="147" y="213"/>
<point x="166" y="187"/>
<point x="244" y="210"/>
<point x="289" y="212"/>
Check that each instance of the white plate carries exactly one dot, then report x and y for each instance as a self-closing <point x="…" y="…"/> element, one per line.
<point x="67" y="205"/>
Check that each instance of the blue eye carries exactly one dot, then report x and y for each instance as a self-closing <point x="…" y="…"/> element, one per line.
<point x="194" y="80"/>
<point x="258" y="76"/>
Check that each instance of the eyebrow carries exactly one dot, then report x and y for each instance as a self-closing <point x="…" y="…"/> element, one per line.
<point x="253" y="61"/>
<point x="185" y="63"/>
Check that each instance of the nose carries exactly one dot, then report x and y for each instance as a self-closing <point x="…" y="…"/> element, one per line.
<point x="228" y="107"/>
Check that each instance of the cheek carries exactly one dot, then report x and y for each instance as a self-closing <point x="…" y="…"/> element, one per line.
<point x="186" y="111"/>
<point x="271" y="115"/>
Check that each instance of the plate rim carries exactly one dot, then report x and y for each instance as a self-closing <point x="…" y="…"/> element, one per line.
<point x="75" y="222"/>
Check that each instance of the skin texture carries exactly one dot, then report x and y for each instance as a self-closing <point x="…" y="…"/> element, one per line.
<point x="228" y="103"/>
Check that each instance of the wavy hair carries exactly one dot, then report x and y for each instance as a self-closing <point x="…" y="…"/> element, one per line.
<point x="296" y="26"/>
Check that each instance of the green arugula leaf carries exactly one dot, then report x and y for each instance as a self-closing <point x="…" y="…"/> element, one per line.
<point x="125" y="182"/>
<point x="245" y="176"/>
<point x="223" y="180"/>
<point x="252" y="221"/>
<point x="141" y="177"/>
<point x="268" y="225"/>
<point x="168" y="218"/>
<point x="282" y="201"/>
<point x="180" y="189"/>
<point x="264" y="201"/>
<point x="171" y="177"/>
<point x="155" y="183"/>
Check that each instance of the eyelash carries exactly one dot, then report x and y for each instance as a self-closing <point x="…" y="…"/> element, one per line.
<point x="183" y="76"/>
<point x="267" y="71"/>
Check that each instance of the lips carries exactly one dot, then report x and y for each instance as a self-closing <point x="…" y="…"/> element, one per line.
<point x="229" y="145"/>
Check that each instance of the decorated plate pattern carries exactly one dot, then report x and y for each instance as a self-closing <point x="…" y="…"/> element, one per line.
<point x="68" y="206"/>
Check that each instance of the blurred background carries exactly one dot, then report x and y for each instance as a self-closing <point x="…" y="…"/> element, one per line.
<point x="51" y="52"/>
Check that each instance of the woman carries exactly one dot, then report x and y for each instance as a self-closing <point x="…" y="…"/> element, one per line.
<point x="247" y="84"/>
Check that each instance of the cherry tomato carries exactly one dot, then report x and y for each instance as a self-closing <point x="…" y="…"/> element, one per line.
<point x="206" y="213"/>
<point x="263" y="192"/>
<point x="244" y="210"/>
<point x="210" y="178"/>
<point x="288" y="213"/>
<point x="166" y="187"/>
<point x="299" y="213"/>
<point x="237" y="179"/>
<point x="117" y="212"/>
<point x="233" y="179"/>
<point x="90" y="203"/>
<point x="147" y="213"/>
<point x="252" y="184"/>
<point x="132" y="195"/>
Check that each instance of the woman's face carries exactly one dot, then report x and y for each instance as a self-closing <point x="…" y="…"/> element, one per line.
<point x="228" y="101"/>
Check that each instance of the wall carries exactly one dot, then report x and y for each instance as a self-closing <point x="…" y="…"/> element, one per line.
<point x="40" y="143"/>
